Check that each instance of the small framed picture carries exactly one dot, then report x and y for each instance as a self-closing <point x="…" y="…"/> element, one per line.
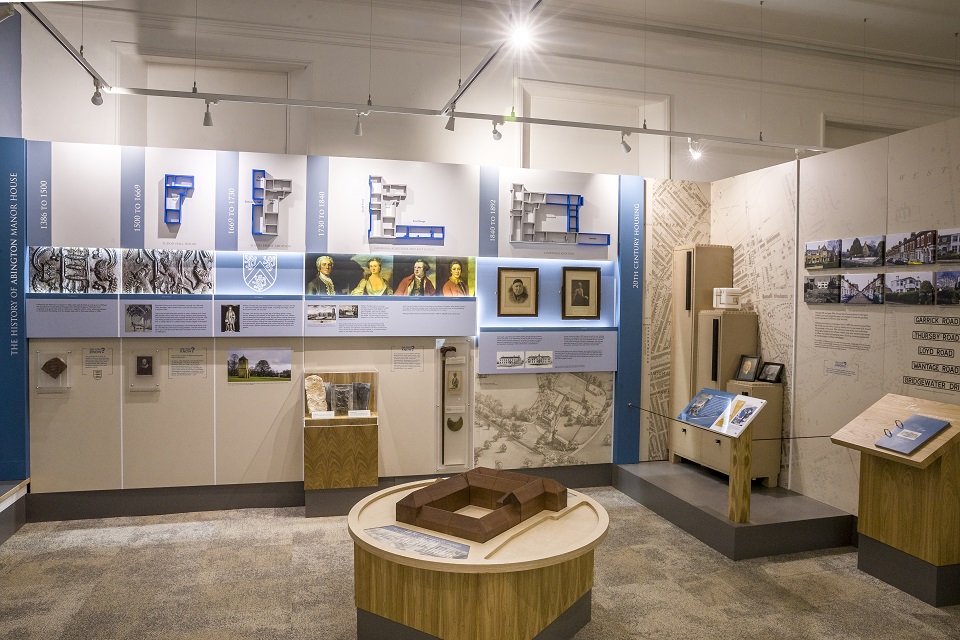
<point x="747" y="371"/>
<point x="770" y="372"/>
<point x="581" y="293"/>
<point x="144" y="365"/>
<point x="518" y="291"/>
<point x="454" y="381"/>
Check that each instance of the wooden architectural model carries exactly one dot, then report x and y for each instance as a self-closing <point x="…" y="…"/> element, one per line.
<point x="510" y="497"/>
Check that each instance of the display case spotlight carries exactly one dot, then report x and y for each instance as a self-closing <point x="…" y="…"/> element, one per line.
<point x="97" y="98"/>
<point x="696" y="148"/>
<point x="496" y="134"/>
<point x="208" y="117"/>
<point x="623" y="142"/>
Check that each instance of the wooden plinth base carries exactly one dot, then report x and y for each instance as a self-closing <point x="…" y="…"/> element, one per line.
<point x="513" y="605"/>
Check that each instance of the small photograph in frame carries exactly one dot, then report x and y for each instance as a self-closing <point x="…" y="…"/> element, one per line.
<point x="581" y="293"/>
<point x="454" y="381"/>
<point x="747" y="371"/>
<point x="144" y="365"/>
<point x="518" y="291"/>
<point x="770" y="372"/>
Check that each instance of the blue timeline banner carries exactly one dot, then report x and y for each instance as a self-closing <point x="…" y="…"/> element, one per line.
<point x="318" y="190"/>
<point x="489" y="212"/>
<point x="626" y="412"/>
<point x="14" y="441"/>
<point x="39" y="194"/>
<point x="228" y="186"/>
<point x="132" y="178"/>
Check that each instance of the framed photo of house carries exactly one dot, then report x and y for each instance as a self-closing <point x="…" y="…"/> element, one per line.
<point x="518" y="291"/>
<point x="580" y="293"/>
<point x="747" y="371"/>
<point x="770" y="372"/>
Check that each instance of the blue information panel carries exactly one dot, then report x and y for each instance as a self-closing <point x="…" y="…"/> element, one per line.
<point x="544" y="351"/>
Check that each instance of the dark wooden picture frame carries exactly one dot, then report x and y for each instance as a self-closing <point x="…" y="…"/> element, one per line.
<point x="770" y="372"/>
<point x="580" y="293"/>
<point x="522" y="301"/>
<point x="748" y="368"/>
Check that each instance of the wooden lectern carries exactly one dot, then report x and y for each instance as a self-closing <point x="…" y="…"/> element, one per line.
<point x="909" y="520"/>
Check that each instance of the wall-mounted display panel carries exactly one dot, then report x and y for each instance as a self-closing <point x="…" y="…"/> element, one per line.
<point x="415" y="207"/>
<point x="85" y="195"/>
<point x="179" y="215"/>
<point x="281" y="222"/>
<point x="552" y="214"/>
<point x="168" y="409"/>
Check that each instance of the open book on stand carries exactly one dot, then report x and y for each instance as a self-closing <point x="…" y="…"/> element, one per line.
<point x="723" y="412"/>
<point x="908" y="436"/>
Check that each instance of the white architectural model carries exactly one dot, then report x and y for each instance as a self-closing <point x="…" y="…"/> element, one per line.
<point x="532" y="212"/>
<point x="267" y="194"/>
<point x="385" y="200"/>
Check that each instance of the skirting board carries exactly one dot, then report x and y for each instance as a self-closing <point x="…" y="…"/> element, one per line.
<point x="937" y="586"/>
<point x="781" y="521"/>
<point x="373" y="627"/>
<point x="80" y="505"/>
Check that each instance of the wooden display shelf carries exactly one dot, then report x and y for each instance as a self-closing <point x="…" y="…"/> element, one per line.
<point x="511" y="587"/>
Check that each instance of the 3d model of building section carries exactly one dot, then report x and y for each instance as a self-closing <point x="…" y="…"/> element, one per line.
<point x="267" y="194"/>
<point x="385" y="201"/>
<point x="176" y="189"/>
<point x="537" y="216"/>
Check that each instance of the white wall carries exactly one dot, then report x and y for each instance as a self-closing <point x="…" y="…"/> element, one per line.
<point x="322" y="51"/>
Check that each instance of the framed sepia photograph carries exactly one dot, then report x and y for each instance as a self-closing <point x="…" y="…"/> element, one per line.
<point x="770" y="372"/>
<point x="518" y="291"/>
<point x="581" y="293"/>
<point x="747" y="371"/>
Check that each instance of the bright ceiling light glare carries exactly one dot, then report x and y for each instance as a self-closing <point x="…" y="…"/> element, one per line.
<point x="696" y="149"/>
<point x="623" y="142"/>
<point x="520" y="37"/>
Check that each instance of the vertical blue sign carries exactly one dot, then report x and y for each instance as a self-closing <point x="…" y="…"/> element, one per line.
<point x="14" y="439"/>
<point x="39" y="194"/>
<point x="228" y="200"/>
<point x="489" y="212"/>
<point x="318" y="193"/>
<point x="11" y="110"/>
<point x="626" y="412"/>
<point x="132" y="210"/>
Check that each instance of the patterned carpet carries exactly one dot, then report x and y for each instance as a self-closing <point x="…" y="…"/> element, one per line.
<point x="271" y="573"/>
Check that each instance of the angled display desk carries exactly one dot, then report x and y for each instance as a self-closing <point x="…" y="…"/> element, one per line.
<point x="534" y="580"/>
<point x="909" y="521"/>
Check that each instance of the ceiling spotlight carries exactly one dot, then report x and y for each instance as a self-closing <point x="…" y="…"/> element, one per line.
<point x="208" y="117"/>
<point x="520" y="37"/>
<point x="696" y="149"/>
<point x="358" y="130"/>
<point x="451" y="122"/>
<point x="97" y="98"/>
<point x="496" y="134"/>
<point x="623" y="143"/>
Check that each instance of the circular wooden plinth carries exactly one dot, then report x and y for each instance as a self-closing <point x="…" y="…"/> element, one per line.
<point x="511" y="587"/>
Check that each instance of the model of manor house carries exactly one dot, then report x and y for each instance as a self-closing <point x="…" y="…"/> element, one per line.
<point x="385" y="227"/>
<point x="508" y="497"/>
<point x="532" y="213"/>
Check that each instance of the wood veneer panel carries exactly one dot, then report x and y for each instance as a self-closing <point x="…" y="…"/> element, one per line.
<point x="470" y="606"/>
<point x="340" y="457"/>
<point x="911" y="509"/>
<point x="738" y="491"/>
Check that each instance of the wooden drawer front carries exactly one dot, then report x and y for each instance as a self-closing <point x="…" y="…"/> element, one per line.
<point x="685" y="440"/>
<point x="715" y="451"/>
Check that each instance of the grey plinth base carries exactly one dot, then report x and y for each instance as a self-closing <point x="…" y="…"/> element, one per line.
<point x="12" y="518"/>
<point x="695" y="499"/>
<point x="373" y="627"/>
<point x="937" y="586"/>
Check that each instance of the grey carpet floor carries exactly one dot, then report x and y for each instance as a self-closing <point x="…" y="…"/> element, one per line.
<point x="271" y="573"/>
